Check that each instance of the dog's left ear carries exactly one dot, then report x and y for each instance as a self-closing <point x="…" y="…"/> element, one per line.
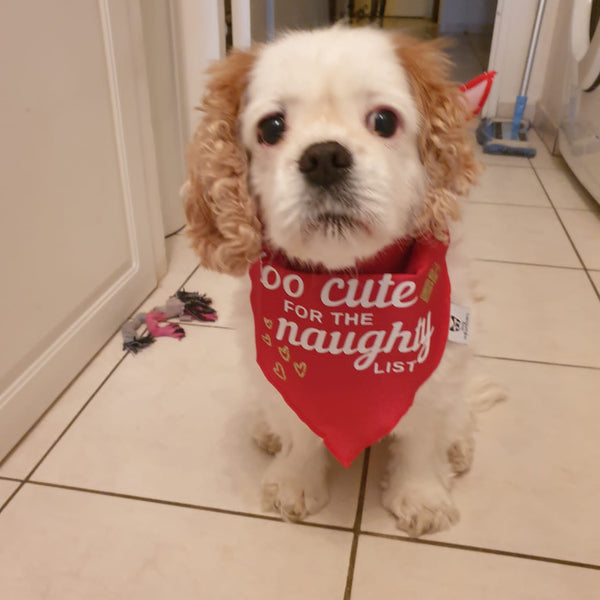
<point x="444" y="147"/>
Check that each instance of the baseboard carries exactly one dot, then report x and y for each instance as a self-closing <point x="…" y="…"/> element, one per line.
<point x="546" y="128"/>
<point x="506" y="110"/>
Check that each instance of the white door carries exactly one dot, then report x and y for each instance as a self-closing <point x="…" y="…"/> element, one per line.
<point x="79" y="213"/>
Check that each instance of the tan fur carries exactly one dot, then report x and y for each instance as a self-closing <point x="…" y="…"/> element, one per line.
<point x="223" y="225"/>
<point x="444" y="147"/>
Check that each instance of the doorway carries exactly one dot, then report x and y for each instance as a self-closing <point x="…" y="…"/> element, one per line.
<point x="469" y="26"/>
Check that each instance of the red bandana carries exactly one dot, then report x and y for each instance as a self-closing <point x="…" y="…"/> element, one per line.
<point x="348" y="351"/>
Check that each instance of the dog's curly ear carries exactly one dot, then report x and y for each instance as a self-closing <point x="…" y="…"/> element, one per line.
<point x="444" y="147"/>
<point x="223" y="225"/>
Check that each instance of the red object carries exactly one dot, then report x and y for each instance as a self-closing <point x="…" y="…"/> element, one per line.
<point x="477" y="90"/>
<point x="348" y="351"/>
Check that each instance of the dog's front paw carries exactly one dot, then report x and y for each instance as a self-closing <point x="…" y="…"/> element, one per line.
<point x="421" y="509"/>
<point x="294" y="494"/>
<point x="265" y="438"/>
<point x="460" y="454"/>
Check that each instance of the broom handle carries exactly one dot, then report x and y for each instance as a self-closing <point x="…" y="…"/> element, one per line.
<point x="534" y="40"/>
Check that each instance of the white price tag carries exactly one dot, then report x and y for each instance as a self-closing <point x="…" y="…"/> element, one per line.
<point x="459" y="324"/>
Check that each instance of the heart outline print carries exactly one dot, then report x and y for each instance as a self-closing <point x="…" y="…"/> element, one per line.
<point x="300" y="369"/>
<point x="279" y="371"/>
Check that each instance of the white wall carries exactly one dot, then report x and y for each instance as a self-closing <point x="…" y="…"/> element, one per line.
<point x="242" y="21"/>
<point x="261" y="16"/>
<point x="181" y="38"/>
<point x="292" y="14"/>
<point x="261" y="20"/>
<point x="200" y="39"/>
<point x="165" y="108"/>
<point x="551" y="106"/>
<point x="512" y="34"/>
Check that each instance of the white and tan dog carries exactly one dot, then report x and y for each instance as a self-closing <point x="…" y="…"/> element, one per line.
<point x="329" y="145"/>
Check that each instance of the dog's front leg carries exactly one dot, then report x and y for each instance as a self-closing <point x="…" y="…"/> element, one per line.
<point x="421" y="464"/>
<point x="416" y="489"/>
<point x="295" y="483"/>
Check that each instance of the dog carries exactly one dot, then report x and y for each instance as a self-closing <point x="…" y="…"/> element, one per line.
<point x="326" y="147"/>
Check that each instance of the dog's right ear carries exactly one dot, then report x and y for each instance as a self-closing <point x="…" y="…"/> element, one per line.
<point x="444" y="146"/>
<point x="223" y="224"/>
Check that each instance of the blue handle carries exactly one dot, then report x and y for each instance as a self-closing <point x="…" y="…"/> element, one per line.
<point x="518" y="117"/>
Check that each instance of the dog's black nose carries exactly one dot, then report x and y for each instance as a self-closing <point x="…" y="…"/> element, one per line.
<point x="325" y="163"/>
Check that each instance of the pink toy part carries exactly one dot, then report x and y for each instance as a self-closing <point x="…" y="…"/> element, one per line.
<point x="477" y="90"/>
<point x="173" y="330"/>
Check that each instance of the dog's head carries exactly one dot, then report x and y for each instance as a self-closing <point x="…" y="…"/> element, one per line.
<point x="330" y="144"/>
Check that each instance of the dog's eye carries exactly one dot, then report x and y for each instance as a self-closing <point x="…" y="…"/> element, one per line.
<point x="271" y="129"/>
<point x="383" y="121"/>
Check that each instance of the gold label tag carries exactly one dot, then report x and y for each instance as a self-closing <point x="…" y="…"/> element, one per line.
<point x="432" y="277"/>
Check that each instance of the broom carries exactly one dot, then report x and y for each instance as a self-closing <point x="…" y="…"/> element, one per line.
<point x="509" y="136"/>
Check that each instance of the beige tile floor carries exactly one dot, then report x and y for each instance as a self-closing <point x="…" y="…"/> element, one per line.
<point x="142" y="483"/>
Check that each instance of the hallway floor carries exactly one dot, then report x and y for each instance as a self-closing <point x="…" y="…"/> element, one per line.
<point x="142" y="481"/>
<point x="470" y="52"/>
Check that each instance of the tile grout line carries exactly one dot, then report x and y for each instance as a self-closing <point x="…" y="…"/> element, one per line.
<point x="496" y="552"/>
<point x="538" y="362"/>
<point x="355" y="529"/>
<point x="597" y="292"/>
<point x="357" y="525"/>
<point x="176" y="504"/>
<point x="189" y="277"/>
<point x="65" y="390"/>
<point x="576" y="209"/>
<point x="56" y="400"/>
<point x="521" y="205"/>
<point x="76" y="416"/>
<point x="526" y="264"/>
<point x="480" y="158"/>
<point x="8" y="500"/>
<point x="86" y="403"/>
<point x="358" y="520"/>
<point x="511" y="204"/>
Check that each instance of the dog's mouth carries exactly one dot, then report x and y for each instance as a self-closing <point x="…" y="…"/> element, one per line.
<point x="338" y="212"/>
<point x="337" y="225"/>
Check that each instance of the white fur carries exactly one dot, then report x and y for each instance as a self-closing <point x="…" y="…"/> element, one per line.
<point x="326" y="83"/>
